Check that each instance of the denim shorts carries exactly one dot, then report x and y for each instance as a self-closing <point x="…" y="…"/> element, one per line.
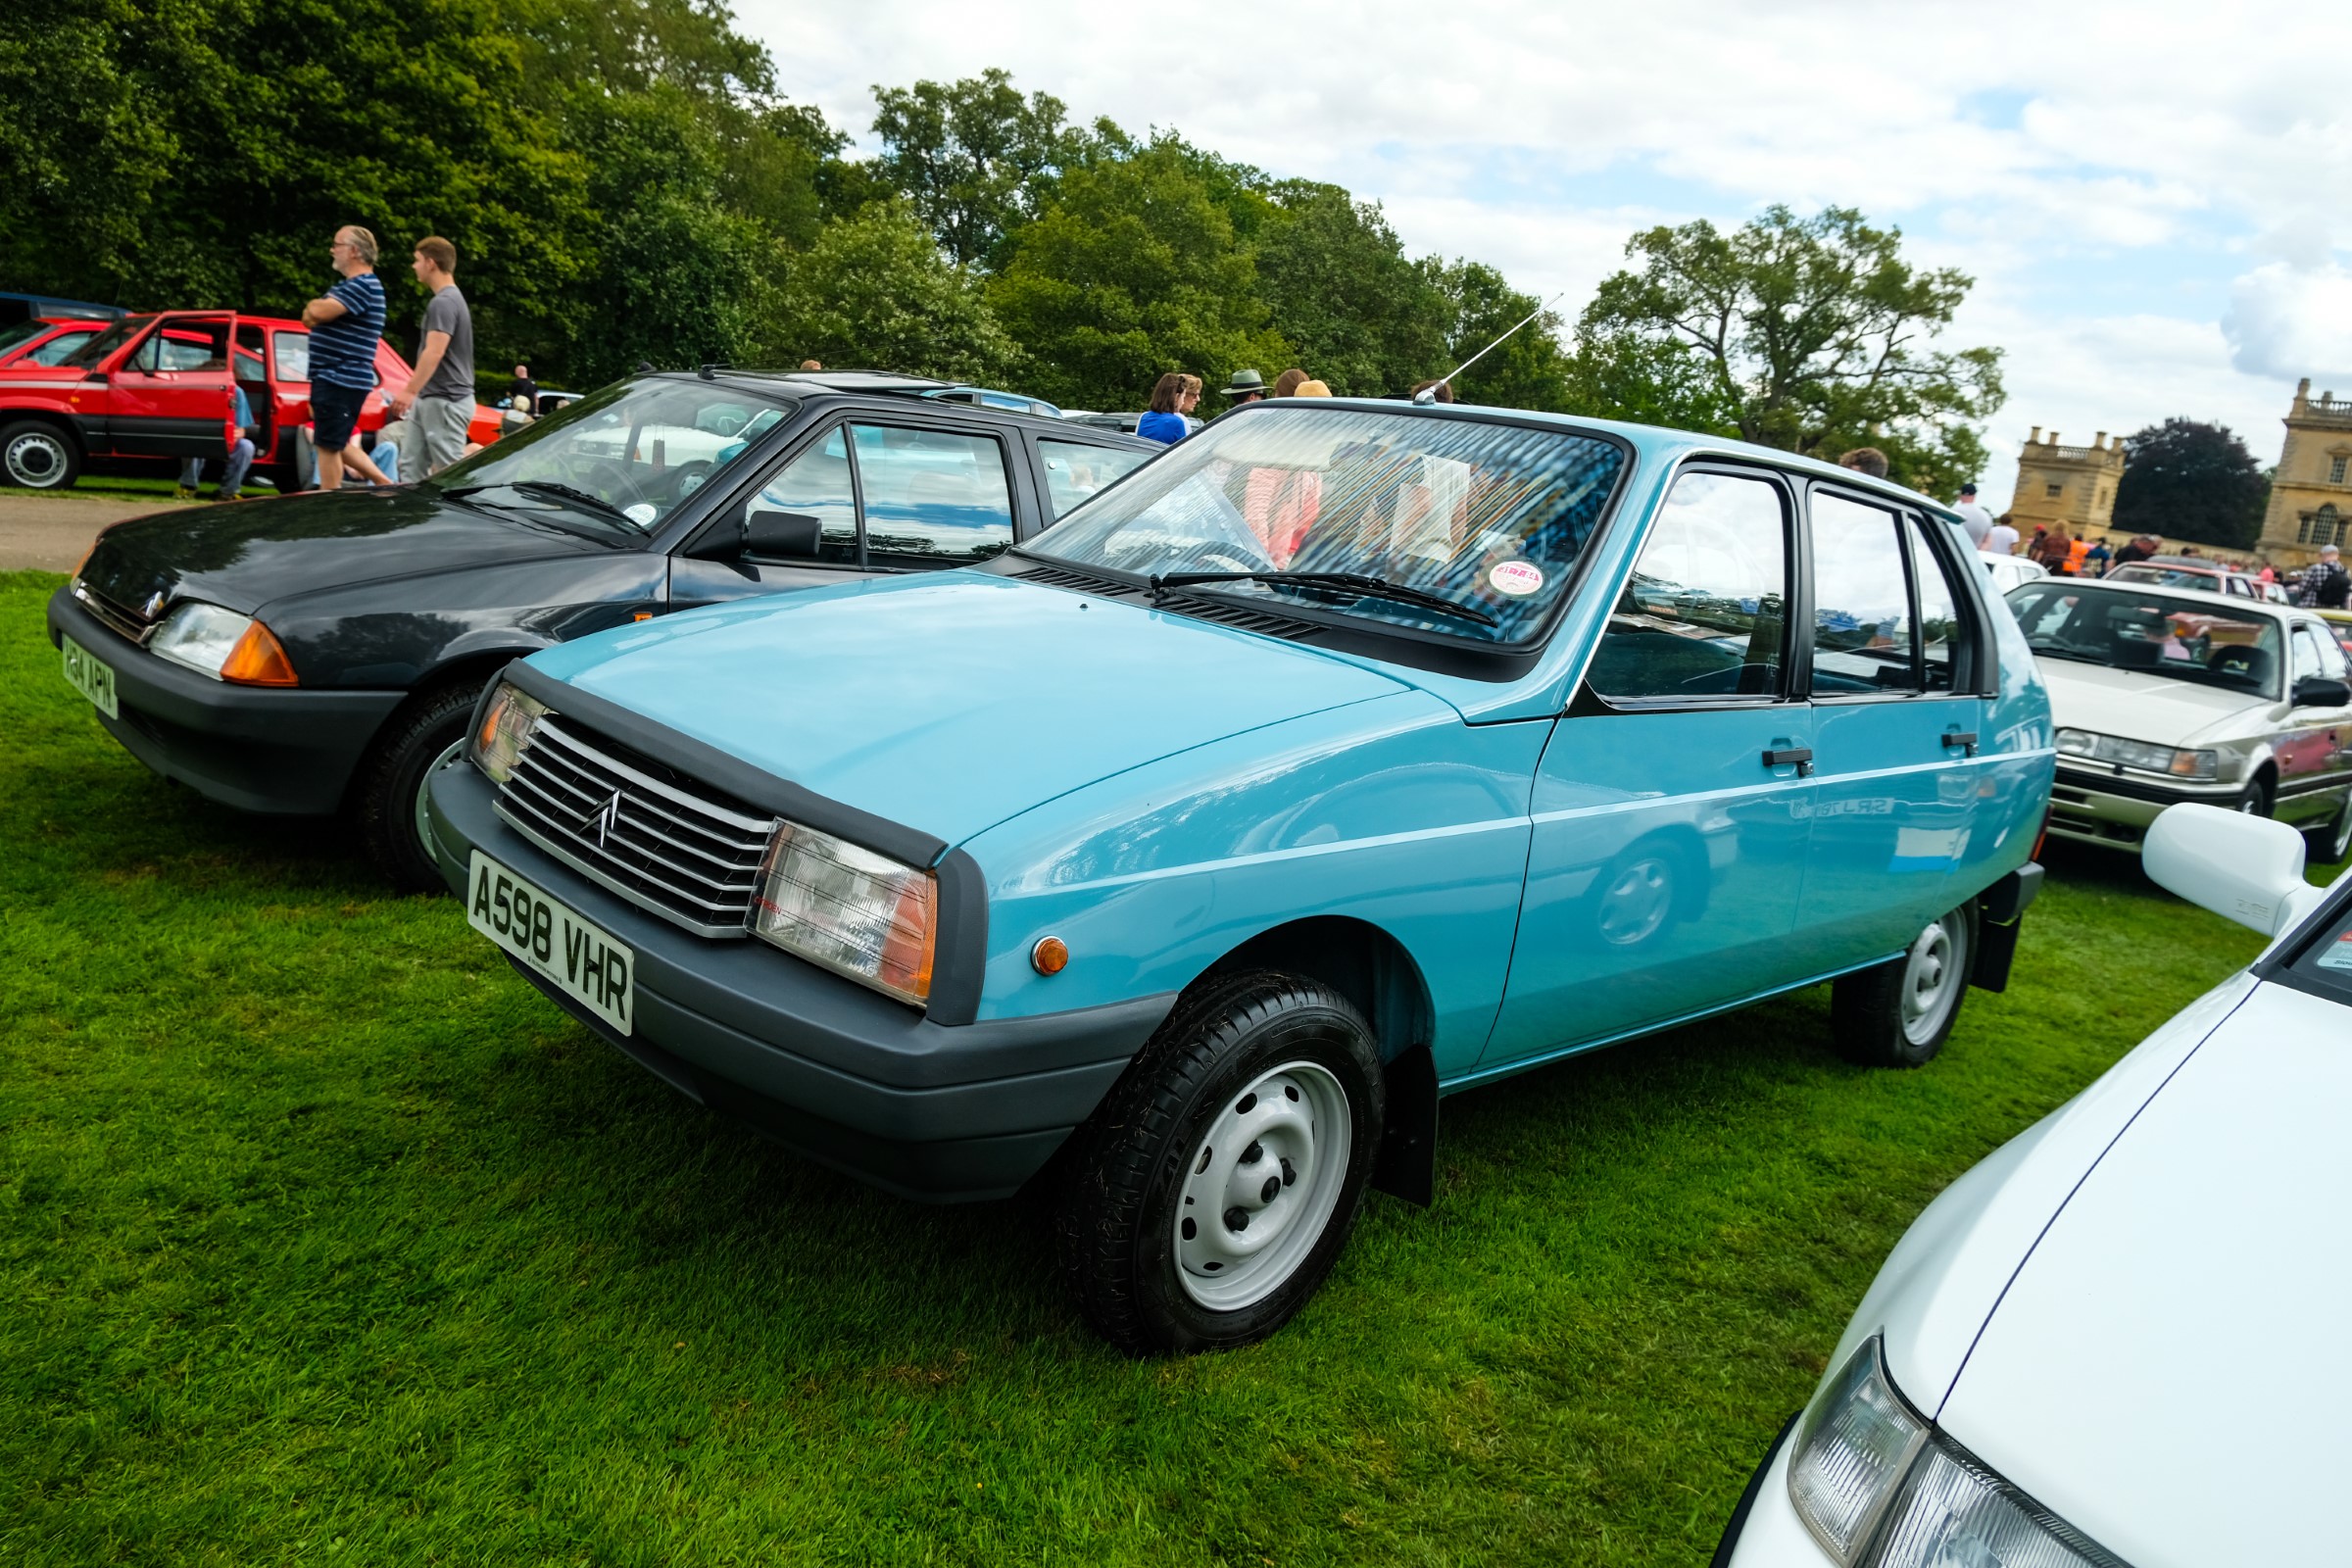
<point x="335" y="413"/>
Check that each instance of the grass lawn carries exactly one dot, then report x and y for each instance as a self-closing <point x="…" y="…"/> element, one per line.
<point x="325" y="1238"/>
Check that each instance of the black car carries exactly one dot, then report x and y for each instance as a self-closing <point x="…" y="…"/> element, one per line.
<point x="320" y="652"/>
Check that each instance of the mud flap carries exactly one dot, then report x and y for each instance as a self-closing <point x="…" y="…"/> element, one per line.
<point x="1408" y="1163"/>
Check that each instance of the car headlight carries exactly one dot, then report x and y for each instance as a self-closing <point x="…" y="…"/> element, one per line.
<point x="506" y="732"/>
<point x="222" y="644"/>
<point x="2199" y="764"/>
<point x="855" y="913"/>
<point x="1881" y="1488"/>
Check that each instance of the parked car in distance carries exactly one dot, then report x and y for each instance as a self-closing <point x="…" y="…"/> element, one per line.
<point x="2339" y="625"/>
<point x="43" y="342"/>
<point x="991" y="398"/>
<point x="2163" y="695"/>
<point x="17" y="307"/>
<point x="2011" y="571"/>
<point x="2061" y="1361"/>
<point x="1342" y="756"/>
<point x="1125" y="422"/>
<point x="2195" y="571"/>
<point x="320" y="652"/>
<point x="148" y="392"/>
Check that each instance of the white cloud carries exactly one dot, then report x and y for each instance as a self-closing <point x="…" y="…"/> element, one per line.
<point x="2290" y="321"/>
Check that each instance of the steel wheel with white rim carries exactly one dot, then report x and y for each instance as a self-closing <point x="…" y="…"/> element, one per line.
<point x="1899" y="1013"/>
<point x="37" y="456"/>
<point x="1210" y="1194"/>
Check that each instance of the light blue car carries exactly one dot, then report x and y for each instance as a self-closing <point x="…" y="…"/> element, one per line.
<point x="1346" y="756"/>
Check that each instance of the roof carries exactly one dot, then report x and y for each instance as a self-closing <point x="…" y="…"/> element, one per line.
<point x="855" y="380"/>
<point x="2234" y="601"/>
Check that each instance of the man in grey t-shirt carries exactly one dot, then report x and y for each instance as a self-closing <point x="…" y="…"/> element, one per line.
<point x="442" y="385"/>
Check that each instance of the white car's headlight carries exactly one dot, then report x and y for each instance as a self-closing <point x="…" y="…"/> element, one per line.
<point x="1881" y="1488"/>
<point x="506" y="733"/>
<point x="855" y="912"/>
<point x="221" y="644"/>
<point x="2198" y="764"/>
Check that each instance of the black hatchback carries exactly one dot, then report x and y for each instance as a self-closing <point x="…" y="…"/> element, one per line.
<point x="321" y="653"/>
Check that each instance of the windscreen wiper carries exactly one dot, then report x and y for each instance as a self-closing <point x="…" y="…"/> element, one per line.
<point x="1369" y="587"/>
<point x="575" y="495"/>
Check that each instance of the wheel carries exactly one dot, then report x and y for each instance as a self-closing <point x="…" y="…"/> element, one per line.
<point x="37" y="456"/>
<point x="2256" y="800"/>
<point x="389" y="794"/>
<point x="1218" y="1182"/>
<point x="2331" y="841"/>
<point x="1898" y="1013"/>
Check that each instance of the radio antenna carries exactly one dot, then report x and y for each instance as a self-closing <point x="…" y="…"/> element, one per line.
<point x="1429" y="394"/>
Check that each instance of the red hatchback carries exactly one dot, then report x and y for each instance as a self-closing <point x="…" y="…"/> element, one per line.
<point x="43" y="342"/>
<point x="144" y="394"/>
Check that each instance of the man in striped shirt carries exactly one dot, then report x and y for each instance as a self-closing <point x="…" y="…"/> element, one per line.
<point x="345" y="326"/>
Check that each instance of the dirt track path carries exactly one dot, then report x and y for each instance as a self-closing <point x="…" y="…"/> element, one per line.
<point x="50" y="533"/>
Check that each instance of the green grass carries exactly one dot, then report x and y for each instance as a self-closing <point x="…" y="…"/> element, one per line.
<point x="323" y="1238"/>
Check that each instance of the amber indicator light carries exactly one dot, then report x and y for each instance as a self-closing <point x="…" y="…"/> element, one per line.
<point x="258" y="659"/>
<point x="1051" y="956"/>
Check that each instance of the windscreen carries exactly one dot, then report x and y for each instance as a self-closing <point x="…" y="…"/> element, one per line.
<point x="2189" y="640"/>
<point x="625" y="454"/>
<point x="106" y="342"/>
<point x="1487" y="517"/>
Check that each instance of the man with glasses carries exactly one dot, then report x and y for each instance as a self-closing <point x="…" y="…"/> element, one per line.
<point x="345" y="326"/>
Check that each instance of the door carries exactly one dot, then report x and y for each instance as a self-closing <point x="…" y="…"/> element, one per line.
<point x="1670" y="811"/>
<point x="859" y="498"/>
<point x="2313" y="745"/>
<point x="1895" y="725"/>
<point x="253" y="375"/>
<point x="172" y="396"/>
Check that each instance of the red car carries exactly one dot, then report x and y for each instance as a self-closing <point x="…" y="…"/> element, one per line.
<point x="148" y="392"/>
<point x="43" y="342"/>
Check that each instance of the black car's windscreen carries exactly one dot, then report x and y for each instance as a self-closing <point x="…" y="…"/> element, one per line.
<point x="637" y="448"/>
<point x="1489" y="517"/>
<point x="2199" y="641"/>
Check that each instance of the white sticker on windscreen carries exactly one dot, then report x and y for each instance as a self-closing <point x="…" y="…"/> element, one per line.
<point x="1518" y="578"/>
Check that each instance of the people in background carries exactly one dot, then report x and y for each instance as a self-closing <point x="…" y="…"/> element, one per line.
<point x="1439" y="391"/>
<point x="234" y="465"/>
<point x="2095" y="558"/>
<point x="1973" y="517"/>
<point x="2324" y="584"/>
<point x="524" y="395"/>
<point x="1310" y="388"/>
<point x="813" y="364"/>
<point x="2139" y="548"/>
<point x="2053" y="548"/>
<point x="1246" y="386"/>
<point x="1286" y="385"/>
<point x="346" y="323"/>
<point x="1173" y="397"/>
<point x="1865" y="460"/>
<point x="2001" y="538"/>
<point x="441" y="388"/>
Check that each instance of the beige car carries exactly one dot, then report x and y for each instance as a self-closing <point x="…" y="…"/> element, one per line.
<point x="2164" y="694"/>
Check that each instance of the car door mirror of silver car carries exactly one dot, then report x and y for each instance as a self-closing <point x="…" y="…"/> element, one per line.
<point x="2321" y="691"/>
<point x="773" y="535"/>
<point x="2242" y="867"/>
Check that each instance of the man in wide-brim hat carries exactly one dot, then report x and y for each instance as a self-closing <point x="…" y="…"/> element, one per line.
<point x="1248" y="387"/>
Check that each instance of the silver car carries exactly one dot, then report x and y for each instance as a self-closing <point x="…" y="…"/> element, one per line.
<point x="2164" y="694"/>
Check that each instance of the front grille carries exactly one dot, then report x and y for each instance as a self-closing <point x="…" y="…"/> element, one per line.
<point x="120" y="620"/>
<point x="658" y="837"/>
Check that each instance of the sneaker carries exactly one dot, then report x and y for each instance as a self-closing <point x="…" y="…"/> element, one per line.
<point x="184" y="493"/>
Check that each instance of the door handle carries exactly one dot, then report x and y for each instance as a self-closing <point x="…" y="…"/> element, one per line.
<point x="1801" y="756"/>
<point x="1961" y="737"/>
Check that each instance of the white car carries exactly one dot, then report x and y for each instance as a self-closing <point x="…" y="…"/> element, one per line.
<point x="2011" y="571"/>
<point x="2169" y="695"/>
<point x="2120" y="1338"/>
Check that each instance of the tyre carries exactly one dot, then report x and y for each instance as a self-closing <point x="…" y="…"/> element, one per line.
<point x="1213" y="1190"/>
<point x="2331" y="841"/>
<point x="388" y="795"/>
<point x="1898" y="1013"/>
<point x="2256" y="800"/>
<point x="35" y="455"/>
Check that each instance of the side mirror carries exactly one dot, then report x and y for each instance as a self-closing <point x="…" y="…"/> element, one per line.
<point x="2321" y="691"/>
<point x="780" y="533"/>
<point x="2243" y="868"/>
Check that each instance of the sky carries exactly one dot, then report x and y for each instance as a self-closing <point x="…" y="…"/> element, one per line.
<point x="2155" y="200"/>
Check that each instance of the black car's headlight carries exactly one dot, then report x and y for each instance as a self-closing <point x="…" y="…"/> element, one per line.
<point x="506" y="733"/>
<point x="1880" y="1486"/>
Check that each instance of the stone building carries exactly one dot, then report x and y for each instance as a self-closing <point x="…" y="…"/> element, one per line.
<point x="2070" y="485"/>
<point x="2311" y="497"/>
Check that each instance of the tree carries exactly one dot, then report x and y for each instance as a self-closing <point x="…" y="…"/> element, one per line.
<point x="968" y="155"/>
<point x="873" y="290"/>
<point x="1528" y="370"/>
<point x="1132" y="271"/>
<point x="1815" y="331"/>
<point x="1339" y="287"/>
<point x="2188" y="479"/>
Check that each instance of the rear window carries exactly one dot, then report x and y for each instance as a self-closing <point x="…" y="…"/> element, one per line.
<point x="1076" y="469"/>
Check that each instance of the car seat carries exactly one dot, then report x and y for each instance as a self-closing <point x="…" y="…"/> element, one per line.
<point x="2252" y="664"/>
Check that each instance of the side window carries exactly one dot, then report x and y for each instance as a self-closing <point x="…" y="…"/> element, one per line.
<point x="2309" y="660"/>
<point x="933" y="497"/>
<point x="1705" y="613"/>
<point x="1863" y="637"/>
<point x="290" y="353"/>
<point x="816" y="485"/>
<point x="57" y="348"/>
<point x="1943" y="633"/>
<point x="1075" y="470"/>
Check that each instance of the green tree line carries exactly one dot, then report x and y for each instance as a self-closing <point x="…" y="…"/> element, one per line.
<point x="625" y="184"/>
